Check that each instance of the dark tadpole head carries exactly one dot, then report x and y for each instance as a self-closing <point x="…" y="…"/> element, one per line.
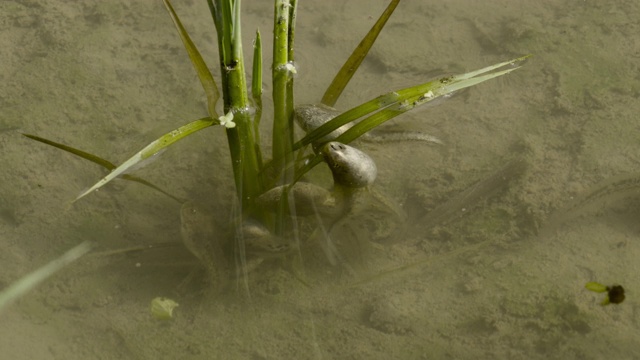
<point x="615" y="294"/>
<point x="350" y="166"/>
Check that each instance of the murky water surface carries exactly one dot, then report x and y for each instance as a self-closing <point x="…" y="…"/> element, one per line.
<point x="533" y="194"/>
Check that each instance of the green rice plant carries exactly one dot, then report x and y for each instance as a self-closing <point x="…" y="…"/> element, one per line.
<point x="241" y="109"/>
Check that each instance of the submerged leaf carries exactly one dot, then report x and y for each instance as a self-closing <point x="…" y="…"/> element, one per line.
<point x="153" y="148"/>
<point x="83" y="154"/>
<point x="398" y="102"/>
<point x="31" y="280"/>
<point x="100" y="161"/>
<point x="596" y="287"/>
<point x="162" y="308"/>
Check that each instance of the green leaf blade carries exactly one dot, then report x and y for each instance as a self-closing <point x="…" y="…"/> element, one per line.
<point x="395" y="103"/>
<point x="153" y="148"/>
<point x="344" y="75"/>
<point x="208" y="83"/>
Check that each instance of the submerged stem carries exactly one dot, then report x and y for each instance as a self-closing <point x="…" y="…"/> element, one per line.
<point x="243" y="139"/>
<point x="283" y="70"/>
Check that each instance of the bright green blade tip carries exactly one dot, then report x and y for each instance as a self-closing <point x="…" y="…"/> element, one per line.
<point x="206" y="79"/>
<point x="342" y="78"/>
<point x="596" y="287"/>
<point x="400" y="101"/>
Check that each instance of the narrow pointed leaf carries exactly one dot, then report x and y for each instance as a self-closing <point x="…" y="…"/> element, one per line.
<point x="153" y="148"/>
<point x="389" y="113"/>
<point x="352" y="64"/>
<point x="347" y="117"/>
<point x="100" y="161"/>
<point x="208" y="83"/>
<point x="403" y="100"/>
<point x="256" y="73"/>
<point x="83" y="154"/>
<point x="256" y="91"/>
<point x="395" y="103"/>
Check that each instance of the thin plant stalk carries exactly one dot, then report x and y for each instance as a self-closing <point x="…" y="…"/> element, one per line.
<point x="283" y="70"/>
<point x="242" y="139"/>
<point x="256" y="91"/>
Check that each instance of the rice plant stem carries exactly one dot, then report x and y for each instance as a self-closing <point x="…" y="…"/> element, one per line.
<point x="283" y="70"/>
<point x="256" y="90"/>
<point x="243" y="146"/>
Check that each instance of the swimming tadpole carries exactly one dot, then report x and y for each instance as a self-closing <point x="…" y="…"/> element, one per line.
<point x="615" y="293"/>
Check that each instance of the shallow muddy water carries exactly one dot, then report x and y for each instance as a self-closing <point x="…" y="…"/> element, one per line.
<point x="534" y="193"/>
